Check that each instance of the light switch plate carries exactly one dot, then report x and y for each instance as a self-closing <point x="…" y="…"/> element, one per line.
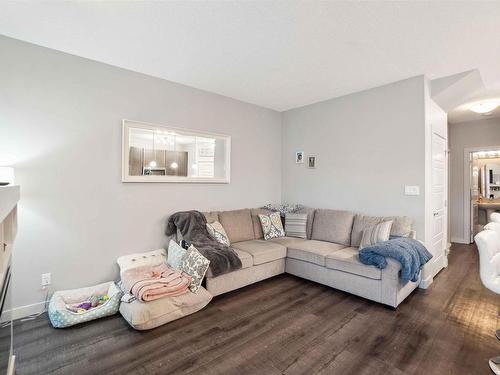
<point x="412" y="190"/>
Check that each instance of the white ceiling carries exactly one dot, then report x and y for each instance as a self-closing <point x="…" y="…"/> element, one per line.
<point x="278" y="55"/>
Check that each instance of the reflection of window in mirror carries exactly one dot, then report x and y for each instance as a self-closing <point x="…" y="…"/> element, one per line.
<point x="159" y="151"/>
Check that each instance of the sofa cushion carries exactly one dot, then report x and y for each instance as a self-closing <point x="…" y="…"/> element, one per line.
<point x="401" y="226"/>
<point x="238" y="225"/>
<point x="288" y="241"/>
<point x="347" y="260"/>
<point x="333" y="226"/>
<point x="312" y="251"/>
<point x="257" y="226"/>
<point x="246" y="258"/>
<point x="261" y="251"/>
<point x="211" y="216"/>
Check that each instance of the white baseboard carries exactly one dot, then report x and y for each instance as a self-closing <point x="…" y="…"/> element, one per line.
<point x="459" y="240"/>
<point x="424" y="284"/>
<point x="23" y="311"/>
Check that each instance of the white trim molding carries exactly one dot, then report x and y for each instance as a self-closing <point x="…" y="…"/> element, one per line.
<point x="466" y="192"/>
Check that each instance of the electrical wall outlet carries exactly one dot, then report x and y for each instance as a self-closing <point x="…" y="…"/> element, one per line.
<point x="45" y="279"/>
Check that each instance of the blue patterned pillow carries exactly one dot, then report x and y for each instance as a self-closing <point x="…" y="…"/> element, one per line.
<point x="175" y="254"/>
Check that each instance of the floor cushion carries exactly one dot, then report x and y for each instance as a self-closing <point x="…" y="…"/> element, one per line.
<point x="333" y="226"/>
<point x="347" y="260"/>
<point x="148" y="258"/>
<point x="60" y="317"/>
<point x="313" y="251"/>
<point x="148" y="315"/>
<point x="262" y="251"/>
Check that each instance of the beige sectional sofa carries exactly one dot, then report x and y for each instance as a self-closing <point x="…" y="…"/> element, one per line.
<point x="328" y="256"/>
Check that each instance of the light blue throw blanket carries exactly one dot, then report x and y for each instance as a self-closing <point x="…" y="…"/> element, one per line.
<point x="409" y="252"/>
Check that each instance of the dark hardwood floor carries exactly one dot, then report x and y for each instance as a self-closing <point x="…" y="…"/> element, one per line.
<point x="287" y="325"/>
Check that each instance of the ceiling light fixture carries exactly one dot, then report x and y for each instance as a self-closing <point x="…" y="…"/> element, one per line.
<point x="484" y="108"/>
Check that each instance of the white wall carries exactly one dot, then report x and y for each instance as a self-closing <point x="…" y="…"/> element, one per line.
<point x="369" y="145"/>
<point x="60" y="127"/>
<point x="483" y="133"/>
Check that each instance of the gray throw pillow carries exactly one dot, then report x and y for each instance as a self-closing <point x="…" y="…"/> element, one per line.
<point x="196" y="266"/>
<point x="296" y="225"/>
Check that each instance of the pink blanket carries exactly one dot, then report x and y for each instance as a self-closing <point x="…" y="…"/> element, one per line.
<point x="148" y="283"/>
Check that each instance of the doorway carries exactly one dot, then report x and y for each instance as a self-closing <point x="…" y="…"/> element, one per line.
<point x="482" y="188"/>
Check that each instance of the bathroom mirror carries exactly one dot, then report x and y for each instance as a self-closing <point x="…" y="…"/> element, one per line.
<point x="156" y="153"/>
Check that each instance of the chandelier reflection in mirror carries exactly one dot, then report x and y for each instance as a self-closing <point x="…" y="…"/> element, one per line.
<point x="155" y="153"/>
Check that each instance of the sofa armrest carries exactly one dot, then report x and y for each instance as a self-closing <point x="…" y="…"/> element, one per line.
<point x="390" y="282"/>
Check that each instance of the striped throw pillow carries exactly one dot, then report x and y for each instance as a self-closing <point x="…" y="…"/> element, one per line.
<point x="295" y="225"/>
<point x="375" y="234"/>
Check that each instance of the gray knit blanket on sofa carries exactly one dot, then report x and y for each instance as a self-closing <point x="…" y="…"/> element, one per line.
<point x="193" y="227"/>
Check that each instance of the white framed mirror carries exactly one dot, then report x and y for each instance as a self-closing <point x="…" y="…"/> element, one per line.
<point x="157" y="153"/>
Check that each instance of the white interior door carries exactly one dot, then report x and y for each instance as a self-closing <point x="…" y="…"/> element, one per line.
<point x="439" y="194"/>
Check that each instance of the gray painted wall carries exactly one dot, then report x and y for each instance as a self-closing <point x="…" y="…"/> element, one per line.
<point x="60" y="127"/>
<point x="464" y="135"/>
<point x="368" y="144"/>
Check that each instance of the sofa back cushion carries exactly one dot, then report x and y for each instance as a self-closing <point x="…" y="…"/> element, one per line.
<point x="237" y="224"/>
<point x="333" y="226"/>
<point x="257" y="226"/>
<point x="211" y="216"/>
<point x="401" y="226"/>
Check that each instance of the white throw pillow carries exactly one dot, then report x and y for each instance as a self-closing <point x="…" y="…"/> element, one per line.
<point x="148" y="258"/>
<point x="272" y="226"/>
<point x="175" y="254"/>
<point x="375" y="234"/>
<point x="216" y="230"/>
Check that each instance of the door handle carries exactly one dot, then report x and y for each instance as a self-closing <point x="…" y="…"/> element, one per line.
<point x="435" y="214"/>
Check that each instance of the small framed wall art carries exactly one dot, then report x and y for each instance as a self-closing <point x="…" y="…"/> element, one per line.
<point x="311" y="161"/>
<point x="299" y="157"/>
